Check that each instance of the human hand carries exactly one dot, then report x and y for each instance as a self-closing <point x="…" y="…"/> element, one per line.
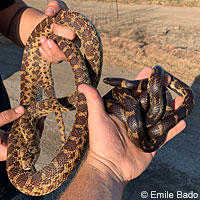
<point x="5" y="118"/>
<point x="49" y="49"/>
<point x="111" y="151"/>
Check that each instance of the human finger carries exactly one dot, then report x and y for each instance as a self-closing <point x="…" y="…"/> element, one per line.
<point x="176" y="130"/>
<point x="145" y="73"/>
<point x="10" y="115"/>
<point x="177" y="102"/>
<point x="50" y="51"/>
<point x="94" y="101"/>
<point x="63" y="31"/>
<point x="54" y="6"/>
<point x="173" y="132"/>
<point x="181" y="125"/>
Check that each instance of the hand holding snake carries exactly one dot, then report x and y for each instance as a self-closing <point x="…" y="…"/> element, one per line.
<point x="23" y="141"/>
<point x="150" y="116"/>
<point x="9" y="115"/>
<point x="109" y="142"/>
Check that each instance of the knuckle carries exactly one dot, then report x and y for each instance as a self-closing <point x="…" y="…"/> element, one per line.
<point x="45" y="56"/>
<point x="52" y="60"/>
<point x="56" y="61"/>
<point x="52" y="52"/>
<point x="49" y="59"/>
<point x="54" y="4"/>
<point x="43" y="46"/>
<point x="6" y="116"/>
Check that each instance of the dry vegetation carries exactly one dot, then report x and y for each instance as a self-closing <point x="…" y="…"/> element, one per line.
<point x="142" y="36"/>
<point x="137" y="38"/>
<point x="188" y="3"/>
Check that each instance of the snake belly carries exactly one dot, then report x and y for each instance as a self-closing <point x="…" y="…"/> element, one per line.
<point x="23" y="140"/>
<point x="150" y="116"/>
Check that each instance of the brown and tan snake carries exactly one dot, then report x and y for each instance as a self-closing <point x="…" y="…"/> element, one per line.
<point x="147" y="133"/>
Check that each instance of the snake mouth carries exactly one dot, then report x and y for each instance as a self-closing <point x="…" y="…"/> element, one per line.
<point x="27" y="168"/>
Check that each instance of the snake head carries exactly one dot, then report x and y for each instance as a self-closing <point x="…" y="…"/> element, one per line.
<point x="30" y="154"/>
<point x="28" y="160"/>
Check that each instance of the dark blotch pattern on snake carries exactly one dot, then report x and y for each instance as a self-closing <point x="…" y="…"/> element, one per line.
<point x="150" y="115"/>
<point x="23" y="141"/>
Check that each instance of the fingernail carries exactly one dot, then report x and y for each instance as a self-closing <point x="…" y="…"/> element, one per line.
<point x="41" y="50"/>
<point x="19" y="109"/>
<point x="52" y="26"/>
<point x="80" y="88"/>
<point x="49" y="44"/>
<point x="50" y="10"/>
<point x="42" y="39"/>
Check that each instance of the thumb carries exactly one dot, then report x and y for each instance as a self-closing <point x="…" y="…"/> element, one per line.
<point x="54" y="6"/>
<point x="94" y="101"/>
<point x="10" y="115"/>
<point x="63" y="31"/>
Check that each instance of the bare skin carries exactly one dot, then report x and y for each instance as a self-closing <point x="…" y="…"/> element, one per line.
<point x="112" y="160"/>
<point x="5" y="118"/>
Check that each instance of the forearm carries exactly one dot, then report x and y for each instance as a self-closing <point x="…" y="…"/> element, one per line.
<point x="18" y="21"/>
<point x="94" y="181"/>
<point x="29" y="20"/>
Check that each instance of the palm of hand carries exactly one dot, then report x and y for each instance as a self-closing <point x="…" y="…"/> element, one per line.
<point x="109" y="142"/>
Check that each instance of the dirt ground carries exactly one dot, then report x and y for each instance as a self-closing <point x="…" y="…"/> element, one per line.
<point x="142" y="36"/>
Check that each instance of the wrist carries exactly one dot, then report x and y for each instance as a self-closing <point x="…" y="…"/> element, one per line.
<point x="94" y="180"/>
<point x="29" y="19"/>
<point x="106" y="168"/>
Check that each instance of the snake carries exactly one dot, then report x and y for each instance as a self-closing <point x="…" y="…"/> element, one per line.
<point x="38" y="96"/>
<point x="148" y="117"/>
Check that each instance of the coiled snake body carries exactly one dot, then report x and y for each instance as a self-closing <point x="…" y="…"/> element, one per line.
<point x="150" y="116"/>
<point x="23" y="141"/>
<point x="148" y="132"/>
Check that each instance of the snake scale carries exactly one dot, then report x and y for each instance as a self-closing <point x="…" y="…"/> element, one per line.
<point x="150" y="116"/>
<point x="23" y="141"/>
<point x="147" y="133"/>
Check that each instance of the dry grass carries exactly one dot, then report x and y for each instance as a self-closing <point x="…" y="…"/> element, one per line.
<point x="131" y="54"/>
<point x="132" y="41"/>
<point x="182" y="3"/>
